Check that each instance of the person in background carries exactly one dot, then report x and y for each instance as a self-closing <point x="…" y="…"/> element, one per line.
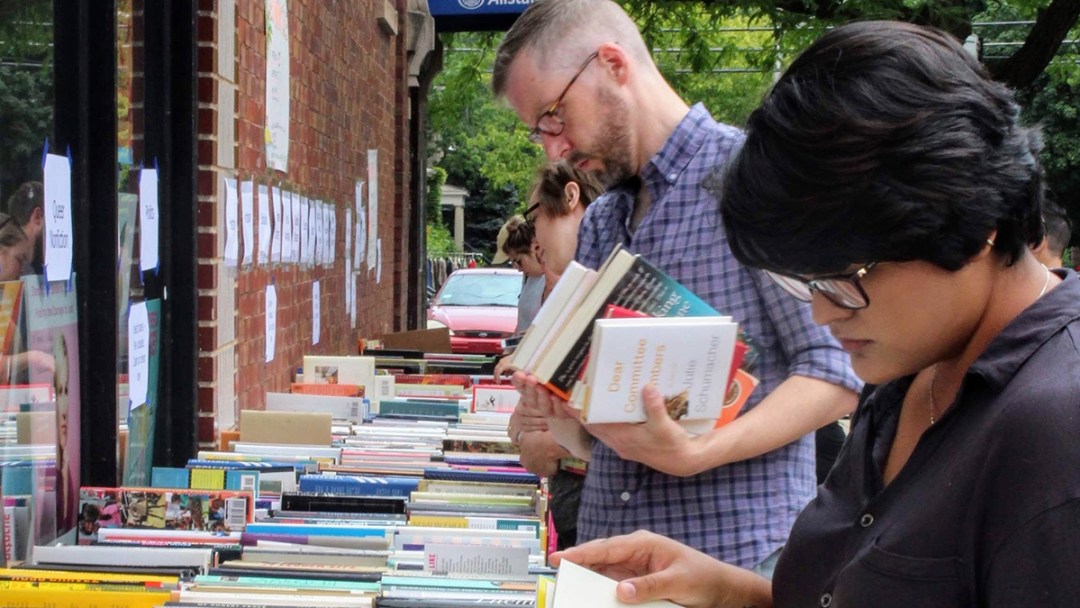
<point x="27" y="206"/>
<point x="15" y="248"/>
<point x="1051" y="250"/>
<point x="15" y="251"/>
<point x="888" y="180"/>
<point x="520" y="248"/>
<point x="579" y="74"/>
<point x="557" y="204"/>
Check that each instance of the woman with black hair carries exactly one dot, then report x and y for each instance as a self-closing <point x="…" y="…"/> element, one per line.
<point x="887" y="180"/>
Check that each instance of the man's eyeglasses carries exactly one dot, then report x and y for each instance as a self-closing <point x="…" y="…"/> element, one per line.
<point x="843" y="290"/>
<point x="549" y="122"/>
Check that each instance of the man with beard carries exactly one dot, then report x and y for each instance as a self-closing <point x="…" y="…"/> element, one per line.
<point x="579" y="74"/>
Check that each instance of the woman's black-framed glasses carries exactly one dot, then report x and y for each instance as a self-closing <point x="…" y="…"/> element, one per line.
<point x="843" y="290"/>
<point x="549" y="122"/>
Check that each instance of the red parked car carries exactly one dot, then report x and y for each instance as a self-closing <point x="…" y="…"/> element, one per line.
<point x="479" y="306"/>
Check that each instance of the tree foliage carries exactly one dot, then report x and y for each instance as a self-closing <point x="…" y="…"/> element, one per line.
<point x="26" y="89"/>
<point x="726" y="54"/>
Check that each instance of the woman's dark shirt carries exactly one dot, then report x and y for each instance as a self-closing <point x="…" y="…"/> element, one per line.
<point x="986" y="512"/>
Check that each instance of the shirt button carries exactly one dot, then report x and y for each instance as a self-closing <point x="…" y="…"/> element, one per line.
<point x="625" y="496"/>
<point x="826" y="600"/>
<point x="866" y="520"/>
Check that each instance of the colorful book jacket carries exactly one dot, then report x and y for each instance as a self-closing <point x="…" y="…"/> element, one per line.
<point x="52" y="328"/>
<point x="642" y="288"/>
<point x="163" y="509"/>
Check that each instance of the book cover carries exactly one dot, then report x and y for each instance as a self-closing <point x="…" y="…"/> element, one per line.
<point x="161" y="508"/>
<point x="326" y="369"/>
<point x="52" y="330"/>
<point x="625" y="280"/>
<point x="576" y="586"/>
<point x="688" y="359"/>
<point x="499" y="398"/>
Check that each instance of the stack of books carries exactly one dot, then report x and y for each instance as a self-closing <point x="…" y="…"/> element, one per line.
<point x="602" y="335"/>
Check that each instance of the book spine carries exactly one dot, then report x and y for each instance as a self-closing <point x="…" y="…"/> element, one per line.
<point x="409" y="408"/>
<point x="77" y="598"/>
<point x="357" y="486"/>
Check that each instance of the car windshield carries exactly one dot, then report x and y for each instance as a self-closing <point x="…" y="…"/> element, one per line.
<point x="480" y="290"/>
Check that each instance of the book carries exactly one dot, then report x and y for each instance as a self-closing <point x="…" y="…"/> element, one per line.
<point x="166" y="509"/>
<point x="565" y="296"/>
<point x="500" y="398"/>
<point x="195" y="558"/>
<point x="688" y="359"/>
<point x="420" y="407"/>
<point x="353" y="409"/>
<point x="325" y="369"/>
<point x="83" y="598"/>
<point x="338" y="503"/>
<point x="576" y="586"/>
<point x="356" y="485"/>
<point x="626" y="280"/>
<point x="52" y="327"/>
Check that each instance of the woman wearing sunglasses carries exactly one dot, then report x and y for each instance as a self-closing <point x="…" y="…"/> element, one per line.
<point x="887" y="180"/>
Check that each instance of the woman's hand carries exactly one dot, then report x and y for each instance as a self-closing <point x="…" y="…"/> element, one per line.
<point x="653" y="567"/>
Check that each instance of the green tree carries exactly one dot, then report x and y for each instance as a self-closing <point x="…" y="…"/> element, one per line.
<point x="726" y="54"/>
<point x="26" y="89"/>
<point x="478" y="142"/>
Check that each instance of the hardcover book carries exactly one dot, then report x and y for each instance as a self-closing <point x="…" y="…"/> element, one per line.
<point x="625" y="280"/>
<point x="688" y="359"/>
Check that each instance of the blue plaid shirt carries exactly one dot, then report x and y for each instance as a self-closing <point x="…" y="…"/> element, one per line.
<point x="741" y="512"/>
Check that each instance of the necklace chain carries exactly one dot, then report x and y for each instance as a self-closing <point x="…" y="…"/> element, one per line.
<point x="933" y="371"/>
<point x="933" y="403"/>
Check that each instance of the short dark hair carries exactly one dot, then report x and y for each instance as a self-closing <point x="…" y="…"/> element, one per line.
<point x="1058" y="227"/>
<point x="519" y="236"/>
<point x="551" y="181"/>
<point x="21" y="204"/>
<point x="883" y="141"/>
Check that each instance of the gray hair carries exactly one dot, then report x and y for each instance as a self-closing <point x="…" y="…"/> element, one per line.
<point x="548" y="25"/>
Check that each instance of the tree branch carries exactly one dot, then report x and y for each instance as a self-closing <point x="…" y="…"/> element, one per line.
<point x="1021" y="69"/>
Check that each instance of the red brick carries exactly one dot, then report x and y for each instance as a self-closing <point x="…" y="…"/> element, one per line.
<point x="206" y="400"/>
<point x="206" y="428"/>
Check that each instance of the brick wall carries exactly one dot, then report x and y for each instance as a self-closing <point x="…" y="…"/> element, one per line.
<point x="348" y="94"/>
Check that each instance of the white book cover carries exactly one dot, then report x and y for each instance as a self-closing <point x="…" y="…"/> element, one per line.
<point x="560" y="303"/>
<point x="687" y="358"/>
<point x="331" y="369"/>
<point x="576" y="586"/>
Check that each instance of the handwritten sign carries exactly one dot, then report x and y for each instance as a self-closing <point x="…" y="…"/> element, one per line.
<point x="138" y="353"/>
<point x="316" y="324"/>
<point x="247" y="211"/>
<point x="265" y="236"/>
<point x="232" y="228"/>
<point x="58" y="242"/>
<point x="271" y="322"/>
<point x="148" y="219"/>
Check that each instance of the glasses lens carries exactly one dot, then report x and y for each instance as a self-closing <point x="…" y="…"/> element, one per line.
<point x="796" y="288"/>
<point x="842" y="292"/>
<point x="535" y="136"/>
